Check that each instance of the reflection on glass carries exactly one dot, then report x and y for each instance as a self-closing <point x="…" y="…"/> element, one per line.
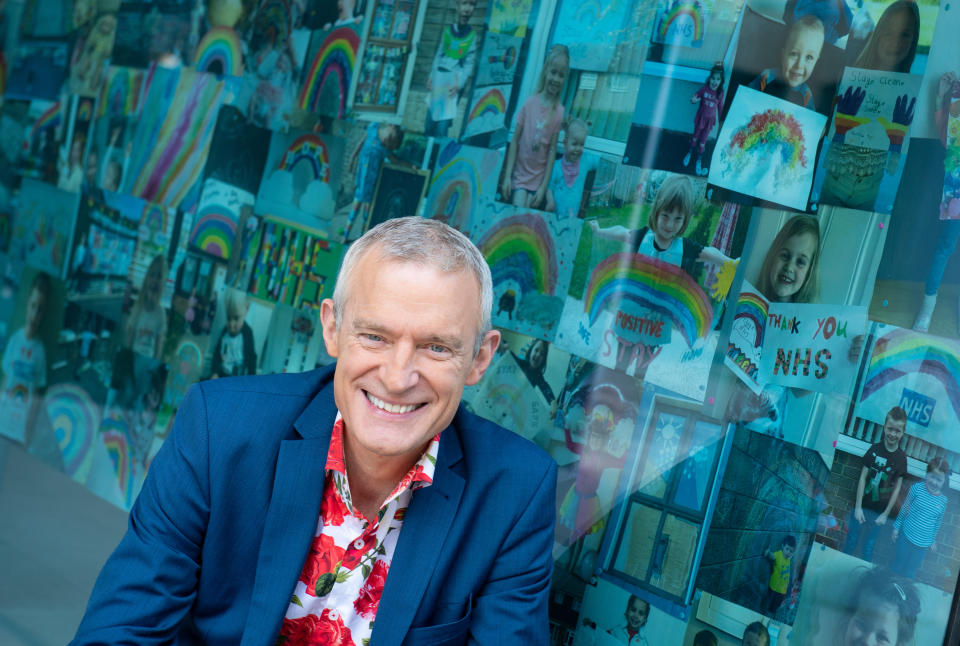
<point x="695" y="472"/>
<point x="661" y="455"/>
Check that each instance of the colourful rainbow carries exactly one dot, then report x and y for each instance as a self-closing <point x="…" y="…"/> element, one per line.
<point x="190" y="355"/>
<point x="752" y="306"/>
<point x="662" y="287"/>
<point x="520" y="248"/>
<point x="220" y="45"/>
<point x="113" y="434"/>
<point x="273" y="18"/>
<point x="679" y="10"/>
<point x="19" y="393"/>
<point x="311" y="148"/>
<point x="335" y="58"/>
<point x="120" y="92"/>
<point x="903" y="352"/>
<point x="214" y="231"/>
<point x="50" y="118"/>
<point x="173" y="137"/>
<point x="491" y="102"/>
<point x="454" y="187"/>
<point x="507" y="398"/>
<point x="74" y="417"/>
<point x="85" y="110"/>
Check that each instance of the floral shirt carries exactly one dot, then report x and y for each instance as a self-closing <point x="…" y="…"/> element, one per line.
<point x="336" y="597"/>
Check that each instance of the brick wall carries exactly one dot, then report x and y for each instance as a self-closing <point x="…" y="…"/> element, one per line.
<point x="939" y="568"/>
<point x="769" y="490"/>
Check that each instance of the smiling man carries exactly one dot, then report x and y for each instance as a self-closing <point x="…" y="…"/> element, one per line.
<point x="353" y="504"/>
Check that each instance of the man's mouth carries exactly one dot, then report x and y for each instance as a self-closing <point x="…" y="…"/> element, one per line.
<point x="391" y="408"/>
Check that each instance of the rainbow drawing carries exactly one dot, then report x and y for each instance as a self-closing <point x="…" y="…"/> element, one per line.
<point x="113" y="434"/>
<point x="660" y="286"/>
<point x="491" y="102"/>
<point x="508" y="399"/>
<point x="274" y="22"/>
<point x="752" y="306"/>
<point x="50" y="118"/>
<point x="173" y="135"/>
<point x="521" y="249"/>
<point x="85" y="110"/>
<point x="214" y="231"/>
<point x="120" y="93"/>
<point x="74" y="417"/>
<point x="219" y="52"/>
<point x="18" y="393"/>
<point x="691" y="12"/>
<point x="903" y="352"/>
<point x="311" y="149"/>
<point x="334" y="60"/>
<point x="454" y="188"/>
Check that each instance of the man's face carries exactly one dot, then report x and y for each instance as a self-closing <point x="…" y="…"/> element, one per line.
<point x="404" y="352"/>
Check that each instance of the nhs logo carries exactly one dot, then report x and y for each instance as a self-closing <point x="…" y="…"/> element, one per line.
<point x="919" y="407"/>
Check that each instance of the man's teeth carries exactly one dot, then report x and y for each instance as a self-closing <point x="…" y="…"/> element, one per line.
<point x="390" y="408"/>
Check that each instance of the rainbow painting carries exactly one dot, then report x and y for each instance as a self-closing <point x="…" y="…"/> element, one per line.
<point x="903" y="353"/>
<point x="173" y="136"/>
<point x="219" y="52"/>
<point x="521" y="249"/>
<point x="753" y="307"/>
<point x="308" y="148"/>
<point x="454" y="189"/>
<point x="660" y="286"/>
<point x="333" y="61"/>
<point x="488" y="110"/>
<point x="681" y="24"/>
<point x="114" y="435"/>
<point x="273" y="22"/>
<point x="120" y="92"/>
<point x="51" y="118"/>
<point x="74" y="417"/>
<point x="214" y="231"/>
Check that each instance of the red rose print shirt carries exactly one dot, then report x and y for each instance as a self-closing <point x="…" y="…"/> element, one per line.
<point x="335" y="600"/>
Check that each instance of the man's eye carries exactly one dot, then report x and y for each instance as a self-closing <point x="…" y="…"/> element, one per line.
<point x="437" y="348"/>
<point x="375" y="338"/>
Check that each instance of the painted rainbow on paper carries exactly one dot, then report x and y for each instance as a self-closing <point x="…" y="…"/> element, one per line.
<point x="520" y="248"/>
<point x="214" y="231"/>
<point x="113" y="434"/>
<point x="309" y="148"/>
<point x="74" y="417"/>
<point x="85" y="110"/>
<point x="903" y="352"/>
<point x="680" y="10"/>
<point x="662" y="287"/>
<point x="190" y="356"/>
<point x="335" y="58"/>
<point x="49" y="119"/>
<point x="220" y="45"/>
<point x="18" y="393"/>
<point x="120" y="92"/>
<point x="492" y="102"/>
<point x="752" y="306"/>
<point x="274" y="19"/>
<point x="455" y="186"/>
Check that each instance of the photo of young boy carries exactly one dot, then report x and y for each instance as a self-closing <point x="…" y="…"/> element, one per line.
<point x="878" y="488"/>
<point x="781" y="573"/>
<point x="798" y="58"/>
<point x="234" y="353"/>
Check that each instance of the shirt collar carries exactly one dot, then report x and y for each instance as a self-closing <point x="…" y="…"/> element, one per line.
<point x="420" y="475"/>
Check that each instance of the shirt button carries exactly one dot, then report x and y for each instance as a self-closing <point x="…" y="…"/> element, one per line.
<point x="358" y="544"/>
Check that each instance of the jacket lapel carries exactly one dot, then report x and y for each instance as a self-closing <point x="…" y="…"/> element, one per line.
<point x="425" y="527"/>
<point x="291" y="518"/>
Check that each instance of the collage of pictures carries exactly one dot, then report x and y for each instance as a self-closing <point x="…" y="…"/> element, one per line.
<point x="721" y="235"/>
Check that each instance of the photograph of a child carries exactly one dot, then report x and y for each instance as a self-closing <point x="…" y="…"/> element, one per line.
<point x="530" y="157"/>
<point x="799" y="258"/>
<point x="567" y="193"/>
<point x="30" y="338"/>
<point x="452" y="68"/>
<point x="847" y="603"/>
<point x="234" y="352"/>
<point x="613" y="616"/>
<point x="764" y="525"/>
<point x="792" y="61"/>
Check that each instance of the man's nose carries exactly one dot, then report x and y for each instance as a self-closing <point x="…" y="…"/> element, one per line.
<point x="399" y="370"/>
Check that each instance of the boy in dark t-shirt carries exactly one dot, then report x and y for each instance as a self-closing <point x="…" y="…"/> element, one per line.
<point x="884" y="465"/>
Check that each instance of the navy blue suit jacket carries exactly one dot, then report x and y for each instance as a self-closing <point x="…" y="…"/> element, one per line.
<point x="222" y="526"/>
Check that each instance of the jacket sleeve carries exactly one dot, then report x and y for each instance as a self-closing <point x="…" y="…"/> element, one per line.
<point x="149" y="583"/>
<point x="512" y="606"/>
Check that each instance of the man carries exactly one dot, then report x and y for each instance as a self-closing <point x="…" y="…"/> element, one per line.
<point x="333" y="506"/>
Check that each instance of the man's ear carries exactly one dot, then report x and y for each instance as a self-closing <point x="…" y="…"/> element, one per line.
<point x="329" y="323"/>
<point x="484" y="356"/>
